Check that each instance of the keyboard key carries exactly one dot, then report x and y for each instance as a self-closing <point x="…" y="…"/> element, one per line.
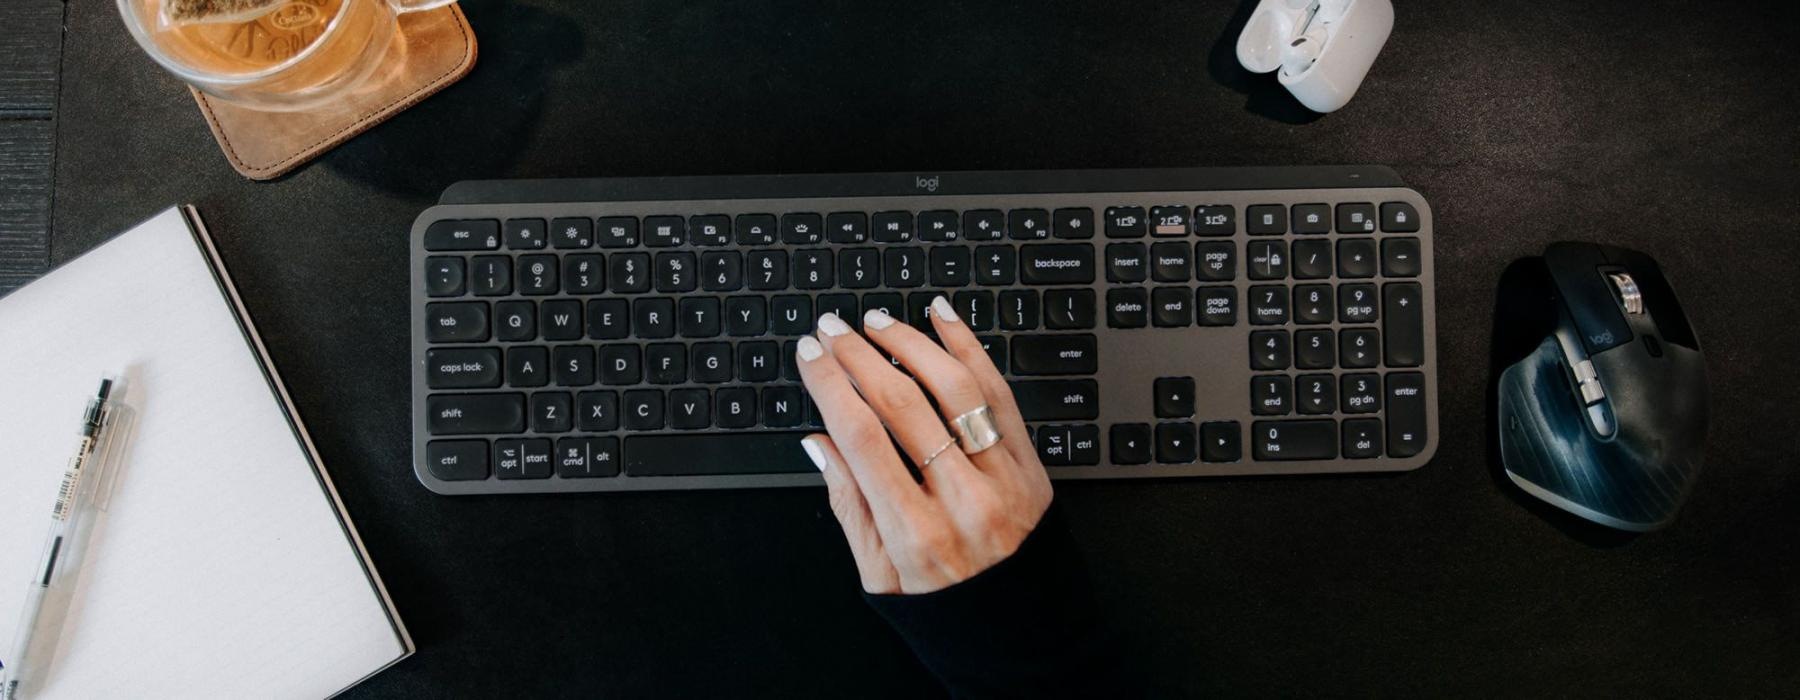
<point x="664" y="231"/>
<point x="1312" y="303"/>
<point x="1171" y="307"/>
<point x="469" y="414"/>
<point x="1312" y="259"/>
<point x="1356" y="258"/>
<point x="995" y="347"/>
<point x="1312" y="218"/>
<point x="574" y="365"/>
<point x="1028" y="224"/>
<point x="710" y="363"/>
<point x="1057" y="399"/>
<point x="1360" y="392"/>
<point x="983" y="224"/>
<point x="1215" y="261"/>
<point x="608" y="319"/>
<point x="515" y="320"/>
<point x="1361" y="348"/>
<point x="665" y="363"/>
<point x="1127" y="262"/>
<point x="710" y="230"/>
<point x="1127" y="307"/>
<point x="690" y="409"/>
<point x="456" y="322"/>
<point x="462" y="368"/>
<point x="537" y="275"/>
<point x="1356" y="218"/>
<point x="444" y="277"/>
<point x="888" y="303"/>
<point x="716" y="454"/>
<point x="675" y="272"/>
<point x="526" y="234"/>
<point x="995" y="265"/>
<point x="1054" y="354"/>
<point x="1356" y="304"/>
<point x="653" y="317"/>
<point x="1294" y="439"/>
<point x="844" y="305"/>
<point x="1315" y="394"/>
<point x="552" y="413"/>
<point x="1217" y="306"/>
<point x="814" y="269"/>
<point x="903" y="267"/>
<point x="629" y="273"/>
<point x="1219" y="442"/>
<point x="746" y="316"/>
<point x="457" y="460"/>
<point x="528" y="367"/>
<point x="758" y="362"/>
<point x="893" y="226"/>
<point x="597" y="411"/>
<point x="1400" y="257"/>
<point x="643" y="409"/>
<point x="1169" y="262"/>
<point x="737" y="407"/>
<point x="700" y="317"/>
<point x="1266" y="219"/>
<point x="563" y="320"/>
<point x="1072" y="309"/>
<point x="847" y="227"/>
<point x="782" y="406"/>
<point x="1215" y="220"/>
<point x="950" y="266"/>
<point x="1174" y="397"/>
<point x="572" y="233"/>
<point x="1125" y="222"/>
<point x="522" y="459"/>
<point x="1176" y="443"/>
<point x="918" y="310"/>
<point x="793" y="315"/>
<point x="755" y="229"/>
<point x="1314" y="349"/>
<point x="1084" y="445"/>
<point x="937" y="226"/>
<point x="618" y="232"/>
<point x="1362" y="438"/>
<point x="1073" y="223"/>
<point x="587" y="457"/>
<point x="1271" y="395"/>
<point x="1053" y="445"/>
<point x="1169" y="221"/>
<point x="1267" y="260"/>
<point x="1070" y="263"/>
<point x="1268" y="305"/>
<point x="1405" y="324"/>
<point x="480" y="234"/>
<point x="767" y="269"/>
<point x="581" y="274"/>
<point x="1131" y="443"/>
<point x="859" y="268"/>
<point x="1405" y="414"/>
<point x="1399" y="217"/>
<point x="722" y="270"/>
<point x="976" y="309"/>
<point x="1269" y="350"/>
<point x="802" y="229"/>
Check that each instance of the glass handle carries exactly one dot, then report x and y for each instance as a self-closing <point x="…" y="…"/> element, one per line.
<point x="416" y="5"/>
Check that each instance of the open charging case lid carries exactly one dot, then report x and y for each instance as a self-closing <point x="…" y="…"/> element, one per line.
<point x="1348" y="33"/>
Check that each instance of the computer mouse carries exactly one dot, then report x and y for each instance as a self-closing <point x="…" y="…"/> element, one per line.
<point x="1606" y="418"/>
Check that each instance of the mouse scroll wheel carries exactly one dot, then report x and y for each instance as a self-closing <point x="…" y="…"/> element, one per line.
<point x="1629" y="297"/>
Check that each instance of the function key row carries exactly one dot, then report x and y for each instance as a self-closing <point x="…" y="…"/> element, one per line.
<point x="804" y="228"/>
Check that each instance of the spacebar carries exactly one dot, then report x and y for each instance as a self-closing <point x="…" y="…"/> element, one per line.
<point x="717" y="454"/>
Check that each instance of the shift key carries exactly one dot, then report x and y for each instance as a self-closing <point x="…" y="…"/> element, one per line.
<point x="475" y="414"/>
<point x="1058" y="400"/>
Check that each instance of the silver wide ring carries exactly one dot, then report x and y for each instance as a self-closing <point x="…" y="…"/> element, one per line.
<point x="976" y="430"/>
<point x="935" y="454"/>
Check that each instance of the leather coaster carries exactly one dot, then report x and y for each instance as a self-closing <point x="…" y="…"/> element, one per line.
<point x="437" y="48"/>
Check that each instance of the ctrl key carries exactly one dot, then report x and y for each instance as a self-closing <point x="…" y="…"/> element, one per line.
<point x="457" y="460"/>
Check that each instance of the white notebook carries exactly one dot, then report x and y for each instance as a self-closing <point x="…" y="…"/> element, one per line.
<point x="224" y="565"/>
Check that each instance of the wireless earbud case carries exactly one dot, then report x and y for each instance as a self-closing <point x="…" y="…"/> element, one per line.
<point x="1353" y="33"/>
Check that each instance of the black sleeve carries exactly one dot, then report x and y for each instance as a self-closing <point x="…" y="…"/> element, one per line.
<point x="1026" y="627"/>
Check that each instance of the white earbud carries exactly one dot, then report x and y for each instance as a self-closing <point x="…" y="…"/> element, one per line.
<point x="1301" y="53"/>
<point x="1320" y="49"/>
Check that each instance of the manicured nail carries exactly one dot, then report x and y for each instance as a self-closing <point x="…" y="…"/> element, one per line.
<point x="812" y="450"/>
<point x="809" y="349"/>
<point x="877" y="319"/>
<point x="941" y="307"/>
<point x="832" y="325"/>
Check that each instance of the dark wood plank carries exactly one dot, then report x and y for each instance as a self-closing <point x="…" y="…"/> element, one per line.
<point x="30" y="53"/>
<point x="25" y="148"/>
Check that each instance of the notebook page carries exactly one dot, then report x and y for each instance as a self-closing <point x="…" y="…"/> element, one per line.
<point x="220" y="568"/>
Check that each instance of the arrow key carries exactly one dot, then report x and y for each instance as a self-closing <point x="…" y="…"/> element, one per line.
<point x="1174" y="397"/>
<point x="1131" y="443"/>
<point x="1220" y="441"/>
<point x="1400" y="257"/>
<point x="1175" y="443"/>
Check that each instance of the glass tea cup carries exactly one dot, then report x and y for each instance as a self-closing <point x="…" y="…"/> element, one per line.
<point x="284" y="56"/>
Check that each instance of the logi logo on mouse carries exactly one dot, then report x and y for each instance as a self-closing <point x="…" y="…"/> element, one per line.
<point x="929" y="184"/>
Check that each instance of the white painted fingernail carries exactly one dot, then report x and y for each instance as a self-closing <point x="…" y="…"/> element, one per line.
<point x="877" y="319"/>
<point x="809" y="349"/>
<point x="941" y="307"/>
<point x="833" y="326"/>
<point x="812" y="450"/>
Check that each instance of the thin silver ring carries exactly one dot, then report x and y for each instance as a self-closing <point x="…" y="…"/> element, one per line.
<point x="940" y="451"/>
<point x="976" y="430"/>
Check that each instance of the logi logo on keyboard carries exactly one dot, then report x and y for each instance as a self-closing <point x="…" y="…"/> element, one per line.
<point x="929" y="184"/>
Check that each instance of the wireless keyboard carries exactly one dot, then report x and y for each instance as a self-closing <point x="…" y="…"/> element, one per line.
<point x="627" y="334"/>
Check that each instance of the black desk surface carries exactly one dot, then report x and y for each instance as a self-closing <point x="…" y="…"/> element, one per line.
<point x="1662" y="125"/>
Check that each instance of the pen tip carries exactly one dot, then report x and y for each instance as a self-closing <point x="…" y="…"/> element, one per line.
<point x="105" y="387"/>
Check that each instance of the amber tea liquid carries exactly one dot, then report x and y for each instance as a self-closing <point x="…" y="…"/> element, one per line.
<point x="264" y="42"/>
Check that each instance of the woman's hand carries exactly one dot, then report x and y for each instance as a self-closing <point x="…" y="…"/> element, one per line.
<point x="972" y="511"/>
